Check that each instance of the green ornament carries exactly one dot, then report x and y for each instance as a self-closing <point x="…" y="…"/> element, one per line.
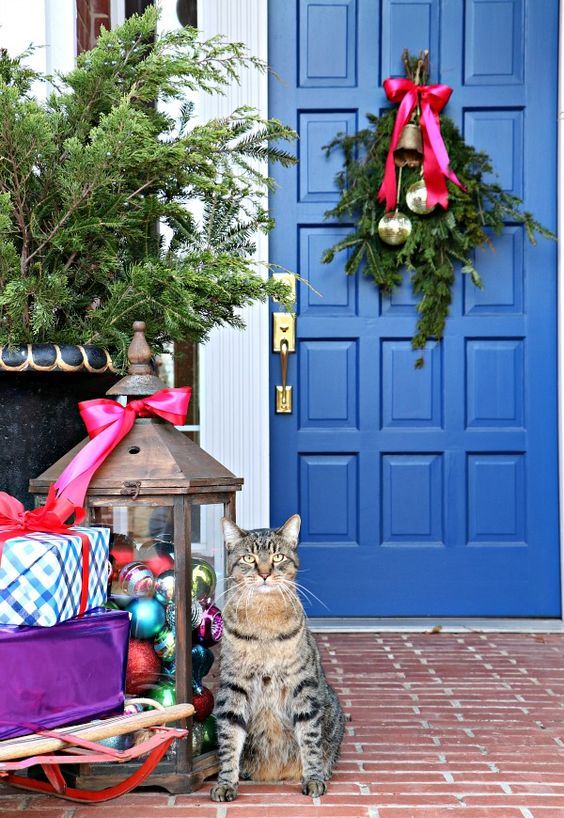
<point x="197" y="738"/>
<point x="164" y="693"/>
<point x="111" y="605"/>
<point x="165" y="644"/>
<point x="209" y="734"/>
<point x="203" y="579"/>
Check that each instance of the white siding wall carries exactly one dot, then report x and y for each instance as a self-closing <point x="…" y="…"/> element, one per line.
<point x="235" y="387"/>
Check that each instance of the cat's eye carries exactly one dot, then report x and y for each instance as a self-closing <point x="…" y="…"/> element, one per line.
<point x="248" y="558"/>
<point x="278" y="557"/>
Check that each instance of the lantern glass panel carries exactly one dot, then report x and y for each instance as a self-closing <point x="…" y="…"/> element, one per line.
<point x="143" y="579"/>
<point x="207" y="540"/>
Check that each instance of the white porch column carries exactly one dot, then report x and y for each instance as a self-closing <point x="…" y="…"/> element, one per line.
<point x="49" y="24"/>
<point x="235" y="390"/>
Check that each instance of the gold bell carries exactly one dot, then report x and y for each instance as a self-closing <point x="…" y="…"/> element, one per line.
<point x="409" y="150"/>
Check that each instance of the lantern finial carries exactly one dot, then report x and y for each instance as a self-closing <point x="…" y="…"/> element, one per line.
<point x="140" y="380"/>
<point x="139" y="352"/>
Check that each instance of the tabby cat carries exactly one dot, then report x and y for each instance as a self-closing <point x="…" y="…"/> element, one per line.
<point x="277" y="717"/>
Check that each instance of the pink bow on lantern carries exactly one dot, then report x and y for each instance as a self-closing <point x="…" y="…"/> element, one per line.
<point x="436" y="167"/>
<point x="108" y="422"/>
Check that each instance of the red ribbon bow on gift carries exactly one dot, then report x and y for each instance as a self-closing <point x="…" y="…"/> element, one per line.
<point x="436" y="168"/>
<point x="108" y="422"/>
<point x="51" y="518"/>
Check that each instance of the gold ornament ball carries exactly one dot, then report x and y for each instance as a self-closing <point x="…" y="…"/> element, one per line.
<point x="394" y="228"/>
<point x="416" y="198"/>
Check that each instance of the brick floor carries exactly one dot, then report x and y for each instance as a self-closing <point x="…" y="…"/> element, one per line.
<point x="441" y="724"/>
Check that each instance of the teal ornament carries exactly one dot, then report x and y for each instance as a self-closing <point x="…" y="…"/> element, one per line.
<point x="147" y="618"/>
<point x="203" y="579"/>
<point x="165" y="644"/>
<point x="197" y="738"/>
<point x="171" y="615"/>
<point x="197" y="613"/>
<point x="164" y="587"/>
<point x="202" y="661"/>
<point x="209" y="734"/>
<point x="163" y="692"/>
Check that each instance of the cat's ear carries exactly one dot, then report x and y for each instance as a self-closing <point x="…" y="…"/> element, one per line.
<point x="231" y="532"/>
<point x="291" y="530"/>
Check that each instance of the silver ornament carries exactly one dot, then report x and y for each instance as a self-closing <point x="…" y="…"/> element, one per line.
<point x="394" y="228"/>
<point x="197" y="614"/>
<point x="416" y="198"/>
<point x="164" y="587"/>
<point x="197" y="738"/>
<point x="170" y="613"/>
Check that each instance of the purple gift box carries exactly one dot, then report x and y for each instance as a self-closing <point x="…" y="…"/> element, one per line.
<point x="67" y="674"/>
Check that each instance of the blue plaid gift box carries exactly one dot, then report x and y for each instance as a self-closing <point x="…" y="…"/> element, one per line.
<point x="41" y="576"/>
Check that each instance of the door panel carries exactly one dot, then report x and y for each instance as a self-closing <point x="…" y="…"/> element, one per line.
<point x="422" y="491"/>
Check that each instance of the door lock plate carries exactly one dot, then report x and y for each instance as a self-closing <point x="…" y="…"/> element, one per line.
<point x="283" y="400"/>
<point x="283" y="329"/>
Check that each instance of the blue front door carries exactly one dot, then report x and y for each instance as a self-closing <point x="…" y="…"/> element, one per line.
<point x="422" y="491"/>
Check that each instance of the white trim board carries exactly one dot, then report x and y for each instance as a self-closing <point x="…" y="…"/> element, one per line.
<point x="235" y="382"/>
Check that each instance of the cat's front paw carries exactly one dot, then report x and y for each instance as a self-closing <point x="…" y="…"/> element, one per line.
<point x="314" y="787"/>
<point x="223" y="792"/>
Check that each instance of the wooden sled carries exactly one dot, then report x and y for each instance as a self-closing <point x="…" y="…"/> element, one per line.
<point x="78" y="744"/>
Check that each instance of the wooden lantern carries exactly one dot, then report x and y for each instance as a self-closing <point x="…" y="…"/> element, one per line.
<point x="159" y="492"/>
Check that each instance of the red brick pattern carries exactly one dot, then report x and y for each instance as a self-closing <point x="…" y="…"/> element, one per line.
<point x="470" y="725"/>
<point x="90" y="16"/>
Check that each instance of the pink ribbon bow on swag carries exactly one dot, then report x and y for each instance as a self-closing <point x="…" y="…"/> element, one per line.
<point x="432" y="99"/>
<point x="107" y="423"/>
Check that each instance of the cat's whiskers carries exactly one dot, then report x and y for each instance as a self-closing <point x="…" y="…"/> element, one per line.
<point x="307" y="593"/>
<point x="287" y="595"/>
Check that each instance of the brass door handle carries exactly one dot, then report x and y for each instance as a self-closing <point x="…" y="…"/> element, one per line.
<point x="284" y="392"/>
<point x="284" y="342"/>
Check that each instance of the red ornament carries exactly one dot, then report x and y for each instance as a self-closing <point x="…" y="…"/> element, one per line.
<point x="122" y="551"/>
<point x="143" y="666"/>
<point x="203" y="704"/>
<point x="154" y="556"/>
<point x="160" y="563"/>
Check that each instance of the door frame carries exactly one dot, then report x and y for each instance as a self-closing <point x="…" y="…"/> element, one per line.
<point x="230" y="437"/>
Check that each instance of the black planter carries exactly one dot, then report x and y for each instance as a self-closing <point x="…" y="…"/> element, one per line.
<point x="40" y="387"/>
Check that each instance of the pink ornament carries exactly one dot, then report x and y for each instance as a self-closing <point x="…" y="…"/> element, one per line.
<point x="210" y="629"/>
<point x="137" y="580"/>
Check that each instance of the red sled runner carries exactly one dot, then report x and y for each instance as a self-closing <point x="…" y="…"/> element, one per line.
<point x="52" y="749"/>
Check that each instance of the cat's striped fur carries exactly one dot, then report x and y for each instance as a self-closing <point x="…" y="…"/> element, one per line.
<point x="277" y="717"/>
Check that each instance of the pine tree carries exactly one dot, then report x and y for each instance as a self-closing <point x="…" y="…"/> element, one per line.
<point x="87" y="175"/>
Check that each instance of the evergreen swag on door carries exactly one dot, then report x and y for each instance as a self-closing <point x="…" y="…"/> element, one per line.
<point x="396" y="227"/>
